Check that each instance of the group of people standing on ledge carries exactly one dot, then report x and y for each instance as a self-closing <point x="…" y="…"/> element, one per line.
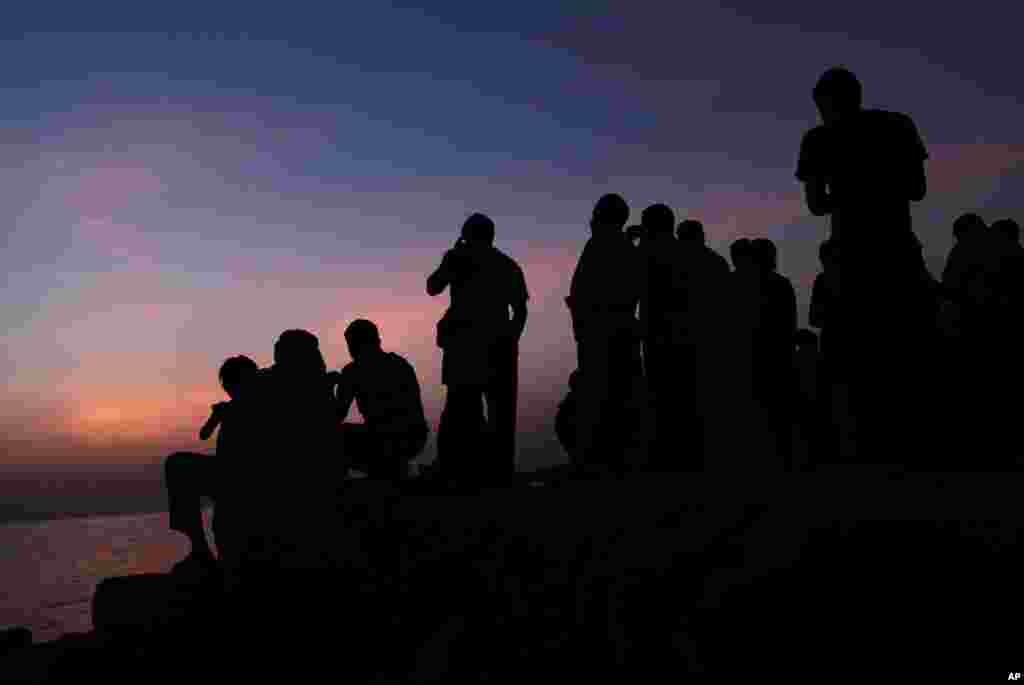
<point x="903" y="366"/>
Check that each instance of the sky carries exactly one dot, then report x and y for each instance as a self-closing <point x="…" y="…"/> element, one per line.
<point x="181" y="184"/>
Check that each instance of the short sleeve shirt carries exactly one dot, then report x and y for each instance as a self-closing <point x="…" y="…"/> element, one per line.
<point x="865" y="160"/>
<point x="386" y="392"/>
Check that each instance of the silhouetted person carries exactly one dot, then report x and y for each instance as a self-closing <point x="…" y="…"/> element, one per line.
<point x="387" y="394"/>
<point x="481" y="353"/>
<point x="692" y="239"/>
<point x="661" y="307"/>
<point x="773" y="381"/>
<point x="967" y="258"/>
<point x="293" y="473"/>
<point x="1010" y="266"/>
<point x="863" y="168"/>
<point x="603" y="297"/>
<point x="701" y="276"/>
<point x="188" y="477"/>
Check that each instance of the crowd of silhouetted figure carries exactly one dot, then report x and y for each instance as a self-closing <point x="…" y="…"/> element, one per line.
<point x="904" y="369"/>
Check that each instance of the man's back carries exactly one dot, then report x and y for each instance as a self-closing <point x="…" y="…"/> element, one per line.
<point x="492" y="282"/>
<point x="386" y="392"/>
<point x="869" y="160"/>
<point x="606" y="281"/>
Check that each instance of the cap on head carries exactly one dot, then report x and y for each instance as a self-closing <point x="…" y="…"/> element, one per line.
<point x="691" y="230"/>
<point x="611" y="210"/>
<point x="658" y="219"/>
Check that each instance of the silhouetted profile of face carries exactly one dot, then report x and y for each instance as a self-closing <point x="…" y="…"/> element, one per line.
<point x="610" y="214"/>
<point x="764" y="254"/>
<point x="298" y="351"/>
<point x="691" y="231"/>
<point x="1007" y="229"/>
<point x="739" y="254"/>
<point x="478" y="230"/>
<point x="362" y="338"/>
<point x="235" y="373"/>
<point x="837" y="94"/>
<point x="658" y="220"/>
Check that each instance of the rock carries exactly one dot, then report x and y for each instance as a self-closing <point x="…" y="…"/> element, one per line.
<point x="145" y="604"/>
<point x="14" y="638"/>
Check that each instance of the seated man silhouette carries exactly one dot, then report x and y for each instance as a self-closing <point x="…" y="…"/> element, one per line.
<point x="387" y="394"/>
<point x="190" y="476"/>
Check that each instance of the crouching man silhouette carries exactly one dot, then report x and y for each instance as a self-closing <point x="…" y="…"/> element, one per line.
<point x="387" y="394"/>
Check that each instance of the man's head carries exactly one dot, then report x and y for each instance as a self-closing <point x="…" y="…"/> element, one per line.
<point x="740" y="254"/>
<point x="1007" y="229"/>
<point x="610" y="214"/>
<point x="765" y="254"/>
<point x="658" y="220"/>
<point x="363" y="338"/>
<point x="299" y="350"/>
<point x="235" y="372"/>
<point x="969" y="224"/>
<point x="478" y="230"/>
<point x="691" y="231"/>
<point x="837" y="94"/>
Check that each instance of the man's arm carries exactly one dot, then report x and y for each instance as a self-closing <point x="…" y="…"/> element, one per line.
<point x="816" y="313"/>
<point x="918" y="183"/>
<point x="817" y="197"/>
<point x="346" y="394"/>
<point x="216" y="416"/>
<point x="519" y="313"/>
<point x="441" y="278"/>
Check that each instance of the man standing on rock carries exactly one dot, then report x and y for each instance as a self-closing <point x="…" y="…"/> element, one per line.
<point x="863" y="168"/>
<point x="481" y="354"/>
<point x="603" y="297"/>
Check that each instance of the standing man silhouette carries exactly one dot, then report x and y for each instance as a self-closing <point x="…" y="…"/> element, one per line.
<point x="603" y="298"/>
<point x="481" y="353"/>
<point x="863" y="168"/>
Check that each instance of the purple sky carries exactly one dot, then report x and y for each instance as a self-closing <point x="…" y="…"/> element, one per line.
<point x="183" y="187"/>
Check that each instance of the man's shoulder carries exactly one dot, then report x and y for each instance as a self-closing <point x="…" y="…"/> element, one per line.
<point x="814" y="136"/>
<point x="879" y="120"/>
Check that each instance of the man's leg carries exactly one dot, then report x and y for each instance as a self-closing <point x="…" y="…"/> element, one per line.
<point x="593" y="398"/>
<point x="187" y="477"/>
<point x="501" y="395"/>
<point x="460" y="431"/>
